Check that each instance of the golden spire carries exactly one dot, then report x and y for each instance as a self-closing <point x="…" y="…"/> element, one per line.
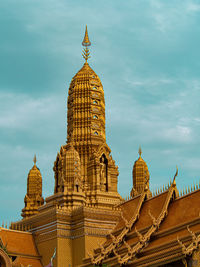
<point x="86" y="42"/>
<point x="140" y="151"/>
<point x="34" y="160"/>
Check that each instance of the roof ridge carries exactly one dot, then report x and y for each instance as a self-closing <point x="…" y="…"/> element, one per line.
<point x="143" y="239"/>
<point x="116" y="240"/>
<point x="12" y="230"/>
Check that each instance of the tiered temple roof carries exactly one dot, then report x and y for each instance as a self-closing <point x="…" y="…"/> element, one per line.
<point x="153" y="232"/>
<point x="20" y="247"/>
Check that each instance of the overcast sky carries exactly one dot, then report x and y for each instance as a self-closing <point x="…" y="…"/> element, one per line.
<point x="147" y="55"/>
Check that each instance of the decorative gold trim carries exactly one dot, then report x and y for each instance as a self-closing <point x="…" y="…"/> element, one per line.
<point x="144" y="239"/>
<point x="116" y="241"/>
<point x="195" y="244"/>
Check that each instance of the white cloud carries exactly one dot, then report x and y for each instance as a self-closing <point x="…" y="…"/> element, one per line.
<point x="193" y="7"/>
<point x="179" y="133"/>
<point x="173" y="16"/>
<point x="20" y="111"/>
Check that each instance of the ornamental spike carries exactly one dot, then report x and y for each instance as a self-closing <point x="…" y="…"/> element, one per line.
<point x="86" y="42"/>
<point x="140" y="151"/>
<point x="35" y="159"/>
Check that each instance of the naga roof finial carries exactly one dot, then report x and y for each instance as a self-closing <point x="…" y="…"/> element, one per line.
<point x="86" y="42"/>
<point x="174" y="179"/>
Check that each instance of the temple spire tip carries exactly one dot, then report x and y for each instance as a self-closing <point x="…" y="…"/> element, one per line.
<point x="86" y="42"/>
<point x="140" y="151"/>
<point x="35" y="159"/>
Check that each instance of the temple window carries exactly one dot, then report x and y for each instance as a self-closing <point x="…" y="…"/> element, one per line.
<point x="96" y="133"/>
<point x="77" y="188"/>
<point x="95" y="117"/>
<point x="95" y="102"/>
<point x="94" y="88"/>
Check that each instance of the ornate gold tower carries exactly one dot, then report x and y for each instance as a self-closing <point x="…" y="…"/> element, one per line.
<point x="140" y="176"/>
<point x="84" y="206"/>
<point x="85" y="217"/>
<point x="96" y="176"/>
<point x="33" y="199"/>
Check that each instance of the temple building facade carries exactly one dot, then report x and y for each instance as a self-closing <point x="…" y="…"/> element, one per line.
<point x="86" y="222"/>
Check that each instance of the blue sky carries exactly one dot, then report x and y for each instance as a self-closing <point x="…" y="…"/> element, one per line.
<point x="147" y="56"/>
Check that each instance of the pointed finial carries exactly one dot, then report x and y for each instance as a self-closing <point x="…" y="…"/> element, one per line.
<point x="140" y="151"/>
<point x="86" y="42"/>
<point x="34" y="159"/>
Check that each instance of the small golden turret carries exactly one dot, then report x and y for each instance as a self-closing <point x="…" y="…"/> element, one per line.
<point x="67" y="170"/>
<point x="140" y="175"/>
<point x="33" y="199"/>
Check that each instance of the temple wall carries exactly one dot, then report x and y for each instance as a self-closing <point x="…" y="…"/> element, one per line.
<point x="65" y="253"/>
<point x="78" y="250"/>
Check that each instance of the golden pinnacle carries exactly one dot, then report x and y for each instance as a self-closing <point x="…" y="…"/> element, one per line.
<point x="86" y="42"/>
<point x="140" y="151"/>
<point x="34" y="159"/>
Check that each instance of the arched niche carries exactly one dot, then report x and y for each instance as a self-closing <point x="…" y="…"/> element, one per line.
<point x="104" y="172"/>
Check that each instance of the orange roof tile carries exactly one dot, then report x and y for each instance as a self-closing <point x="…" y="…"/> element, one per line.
<point x="163" y="243"/>
<point x="18" y="242"/>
